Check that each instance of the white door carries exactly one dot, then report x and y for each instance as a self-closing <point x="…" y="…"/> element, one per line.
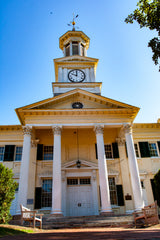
<point x="79" y="199"/>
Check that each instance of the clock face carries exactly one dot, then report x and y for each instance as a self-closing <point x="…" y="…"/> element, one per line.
<point x="76" y="75"/>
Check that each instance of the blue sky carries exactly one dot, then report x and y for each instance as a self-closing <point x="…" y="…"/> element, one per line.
<point x="29" y="41"/>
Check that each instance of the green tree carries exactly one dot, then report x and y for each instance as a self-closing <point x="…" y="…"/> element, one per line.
<point x="157" y="187"/>
<point x="147" y="15"/>
<point x="7" y="190"/>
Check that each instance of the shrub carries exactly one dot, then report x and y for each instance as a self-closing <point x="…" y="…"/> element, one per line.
<point x="7" y="190"/>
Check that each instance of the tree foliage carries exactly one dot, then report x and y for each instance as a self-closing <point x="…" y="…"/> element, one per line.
<point x="7" y="190"/>
<point x="157" y="187"/>
<point x="147" y="15"/>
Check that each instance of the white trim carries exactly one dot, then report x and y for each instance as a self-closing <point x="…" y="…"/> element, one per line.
<point x="77" y="124"/>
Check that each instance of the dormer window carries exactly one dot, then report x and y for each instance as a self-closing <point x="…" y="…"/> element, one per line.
<point x="74" y="48"/>
<point x="67" y="47"/>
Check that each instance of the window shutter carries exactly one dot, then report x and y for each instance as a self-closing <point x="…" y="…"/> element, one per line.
<point x="9" y="153"/>
<point x="153" y="188"/>
<point x="38" y="198"/>
<point x="40" y="152"/>
<point x="144" y="149"/>
<point x="120" y="195"/>
<point x="96" y="150"/>
<point x="159" y="146"/>
<point x="115" y="150"/>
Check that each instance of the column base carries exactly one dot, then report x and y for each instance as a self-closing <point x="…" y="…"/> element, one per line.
<point x="56" y="214"/>
<point x="110" y="213"/>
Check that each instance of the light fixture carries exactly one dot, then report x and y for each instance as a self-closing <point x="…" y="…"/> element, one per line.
<point x="78" y="161"/>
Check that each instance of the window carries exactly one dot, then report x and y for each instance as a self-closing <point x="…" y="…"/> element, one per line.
<point x="136" y="149"/>
<point x="47" y="193"/>
<point x="78" y="181"/>
<point x="153" y="150"/>
<point x="1" y="154"/>
<point x="85" y="181"/>
<point x="108" y="151"/>
<point x="72" y="181"/>
<point x="113" y="191"/>
<point x="67" y="47"/>
<point x="48" y="153"/>
<point x="10" y="153"/>
<point x="74" y="48"/>
<point x="18" y="155"/>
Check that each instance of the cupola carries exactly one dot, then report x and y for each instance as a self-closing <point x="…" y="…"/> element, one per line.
<point x="74" y="43"/>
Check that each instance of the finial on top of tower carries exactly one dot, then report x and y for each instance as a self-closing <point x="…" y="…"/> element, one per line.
<point x="73" y="23"/>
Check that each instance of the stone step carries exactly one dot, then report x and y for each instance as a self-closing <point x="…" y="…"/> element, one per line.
<point x="89" y="221"/>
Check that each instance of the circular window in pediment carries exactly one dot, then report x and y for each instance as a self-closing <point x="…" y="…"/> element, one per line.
<point x="77" y="105"/>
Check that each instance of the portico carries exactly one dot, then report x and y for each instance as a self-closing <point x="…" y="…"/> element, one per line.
<point x="65" y="171"/>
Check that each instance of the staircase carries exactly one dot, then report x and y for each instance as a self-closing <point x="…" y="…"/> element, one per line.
<point x="50" y="222"/>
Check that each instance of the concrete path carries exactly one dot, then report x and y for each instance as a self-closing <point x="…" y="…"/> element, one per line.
<point x="91" y="234"/>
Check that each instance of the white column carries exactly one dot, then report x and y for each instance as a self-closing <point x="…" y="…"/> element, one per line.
<point x="64" y="193"/>
<point x="134" y="172"/>
<point x="56" y="180"/>
<point x="65" y="75"/>
<point x="127" y="188"/>
<point x="92" y="75"/>
<point x="87" y="75"/>
<point x="103" y="174"/>
<point x="94" y="192"/>
<point x="79" y="49"/>
<point x="60" y="75"/>
<point x="70" y="48"/>
<point x="24" y="170"/>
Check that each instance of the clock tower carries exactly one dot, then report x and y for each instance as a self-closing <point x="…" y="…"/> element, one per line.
<point x="75" y="70"/>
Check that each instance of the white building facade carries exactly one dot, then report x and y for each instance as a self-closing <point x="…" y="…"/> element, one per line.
<point x="79" y="153"/>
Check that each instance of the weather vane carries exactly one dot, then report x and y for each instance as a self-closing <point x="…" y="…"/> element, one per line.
<point x="73" y="23"/>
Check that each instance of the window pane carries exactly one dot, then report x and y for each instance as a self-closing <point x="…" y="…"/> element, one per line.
<point x="136" y="149"/>
<point x="47" y="193"/>
<point x="1" y="153"/>
<point x="153" y="149"/>
<point x="113" y="192"/>
<point x="74" y="48"/>
<point x="68" y="50"/>
<point x="18" y="155"/>
<point x="108" y="151"/>
<point x="72" y="181"/>
<point x="85" y="181"/>
<point x="48" y="153"/>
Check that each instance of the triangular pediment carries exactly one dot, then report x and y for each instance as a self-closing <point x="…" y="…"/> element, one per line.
<point x="83" y="164"/>
<point x="92" y="105"/>
<point x="88" y="100"/>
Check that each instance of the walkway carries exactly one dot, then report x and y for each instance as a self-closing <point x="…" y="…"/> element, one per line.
<point x="91" y="234"/>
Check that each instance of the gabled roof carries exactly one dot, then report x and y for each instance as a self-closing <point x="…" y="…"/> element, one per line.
<point x="92" y="104"/>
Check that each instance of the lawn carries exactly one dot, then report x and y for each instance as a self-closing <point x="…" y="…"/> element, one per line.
<point x="13" y="230"/>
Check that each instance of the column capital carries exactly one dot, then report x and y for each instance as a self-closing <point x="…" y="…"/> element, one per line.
<point x="99" y="129"/>
<point x="57" y="130"/>
<point x="27" y="130"/>
<point x="120" y="141"/>
<point x="127" y="129"/>
<point x="34" y="143"/>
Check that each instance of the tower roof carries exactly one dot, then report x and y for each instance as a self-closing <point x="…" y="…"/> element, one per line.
<point x="73" y="34"/>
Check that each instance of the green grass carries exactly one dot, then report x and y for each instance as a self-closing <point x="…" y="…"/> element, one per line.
<point x="4" y="231"/>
